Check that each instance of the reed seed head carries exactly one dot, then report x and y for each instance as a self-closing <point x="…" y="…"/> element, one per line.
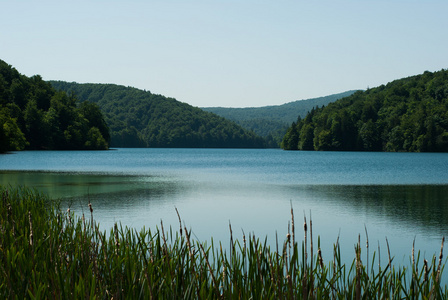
<point x="31" y="228"/>
<point x="425" y="268"/>
<point x="321" y="261"/>
<point x="117" y="243"/>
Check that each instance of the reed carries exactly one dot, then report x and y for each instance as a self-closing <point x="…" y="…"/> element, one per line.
<point x="49" y="253"/>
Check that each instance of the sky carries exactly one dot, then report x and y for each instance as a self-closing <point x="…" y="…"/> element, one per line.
<point x="229" y="53"/>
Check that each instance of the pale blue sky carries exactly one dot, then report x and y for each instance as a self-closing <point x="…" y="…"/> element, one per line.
<point x="227" y="53"/>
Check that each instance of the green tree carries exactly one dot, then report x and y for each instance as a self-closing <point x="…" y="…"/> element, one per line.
<point x="11" y="138"/>
<point x="95" y="140"/>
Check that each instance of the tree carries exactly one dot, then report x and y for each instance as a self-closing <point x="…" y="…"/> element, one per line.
<point x="409" y="114"/>
<point x="11" y="138"/>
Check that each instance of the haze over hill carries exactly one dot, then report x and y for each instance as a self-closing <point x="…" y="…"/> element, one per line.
<point x="271" y="122"/>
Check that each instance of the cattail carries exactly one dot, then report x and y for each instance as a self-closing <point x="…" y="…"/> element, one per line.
<point x="117" y="243"/>
<point x="367" y="247"/>
<point x="189" y="244"/>
<point x="379" y="256"/>
<point x="292" y="225"/>
<point x="232" y="245"/>
<point x="413" y="253"/>
<point x="91" y="214"/>
<point x="223" y="278"/>
<point x="358" y="269"/>
<point x="425" y="268"/>
<point x="31" y="228"/>
<point x="223" y="270"/>
<point x="9" y="210"/>
<point x="305" y="229"/>
<point x="244" y="241"/>
<point x="414" y="267"/>
<point x="440" y="260"/>
<point x="321" y="261"/>
<point x="9" y="213"/>
<point x="69" y="216"/>
<point x="83" y="219"/>
<point x="304" y="279"/>
<point x="180" y="221"/>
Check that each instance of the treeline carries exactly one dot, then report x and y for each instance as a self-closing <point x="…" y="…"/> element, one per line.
<point x="34" y="116"/>
<point x="272" y="122"/>
<point x="409" y="114"/>
<point x="138" y="118"/>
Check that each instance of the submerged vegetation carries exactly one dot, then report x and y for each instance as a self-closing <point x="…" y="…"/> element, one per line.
<point x="46" y="252"/>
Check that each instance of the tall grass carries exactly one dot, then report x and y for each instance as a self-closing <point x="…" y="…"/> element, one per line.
<point x="48" y="253"/>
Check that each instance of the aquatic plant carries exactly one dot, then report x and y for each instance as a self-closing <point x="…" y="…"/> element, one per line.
<point x="47" y="252"/>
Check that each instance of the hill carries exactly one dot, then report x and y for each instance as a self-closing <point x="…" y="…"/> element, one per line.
<point x="409" y="114"/>
<point x="272" y="121"/>
<point x="34" y="116"/>
<point x="138" y="118"/>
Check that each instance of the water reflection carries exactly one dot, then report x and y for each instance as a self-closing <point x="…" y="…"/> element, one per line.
<point x="423" y="207"/>
<point x="76" y="184"/>
<point x="399" y="212"/>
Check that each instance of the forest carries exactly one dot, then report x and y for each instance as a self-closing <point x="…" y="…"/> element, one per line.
<point x="409" y="114"/>
<point x="272" y="122"/>
<point x="139" y="118"/>
<point x="33" y="115"/>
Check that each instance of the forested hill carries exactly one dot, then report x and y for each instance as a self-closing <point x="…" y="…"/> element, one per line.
<point x="272" y="121"/>
<point x="409" y="114"/>
<point x="34" y="116"/>
<point x="138" y="118"/>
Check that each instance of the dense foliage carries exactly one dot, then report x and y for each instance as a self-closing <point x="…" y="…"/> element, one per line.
<point x="141" y="119"/>
<point x="48" y="253"/>
<point x="409" y="114"/>
<point x="34" y="116"/>
<point x="272" y="122"/>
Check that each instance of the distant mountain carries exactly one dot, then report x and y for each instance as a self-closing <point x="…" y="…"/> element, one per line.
<point x="33" y="115"/>
<point x="272" y="121"/>
<point x="409" y="114"/>
<point x="138" y="118"/>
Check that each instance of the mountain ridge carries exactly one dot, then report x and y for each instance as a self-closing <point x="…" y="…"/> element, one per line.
<point x="139" y="118"/>
<point x="272" y="121"/>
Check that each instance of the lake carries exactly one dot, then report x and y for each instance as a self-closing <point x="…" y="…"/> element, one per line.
<point x="401" y="196"/>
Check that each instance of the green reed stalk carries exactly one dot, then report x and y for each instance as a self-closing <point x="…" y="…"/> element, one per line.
<point x="46" y="252"/>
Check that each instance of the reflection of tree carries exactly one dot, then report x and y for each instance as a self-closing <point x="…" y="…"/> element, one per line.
<point x="81" y="186"/>
<point x="424" y="206"/>
<point x="116" y="195"/>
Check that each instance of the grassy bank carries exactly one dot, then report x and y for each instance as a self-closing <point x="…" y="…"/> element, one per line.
<point x="47" y="252"/>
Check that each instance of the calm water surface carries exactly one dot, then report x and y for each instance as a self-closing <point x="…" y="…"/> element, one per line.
<point x="401" y="196"/>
